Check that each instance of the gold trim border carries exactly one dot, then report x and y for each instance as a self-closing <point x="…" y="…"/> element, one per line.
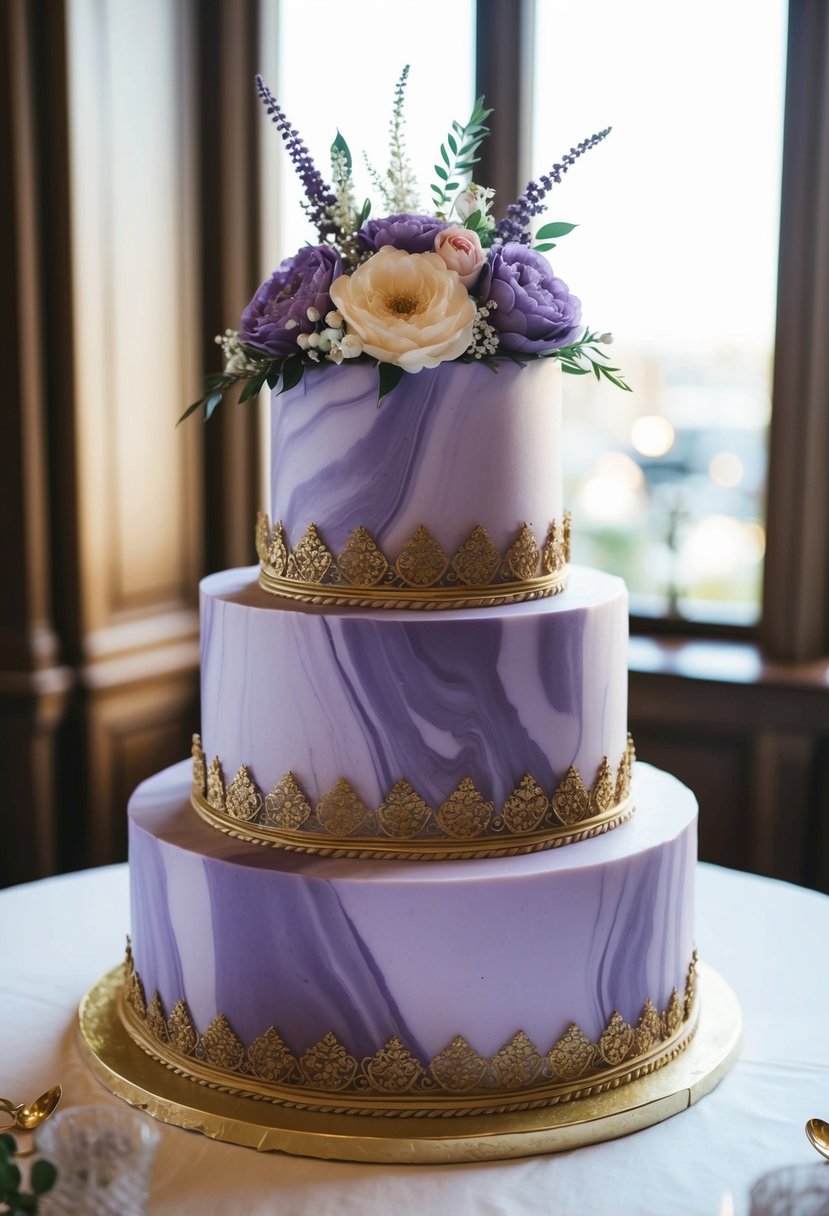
<point x="419" y="850"/>
<point x="573" y="813"/>
<point x="429" y="1098"/>
<point x="127" y="1072"/>
<point x="433" y="600"/>
<point x="423" y="576"/>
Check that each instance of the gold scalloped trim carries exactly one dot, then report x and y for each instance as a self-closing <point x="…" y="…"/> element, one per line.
<point x="405" y="826"/>
<point x="393" y="1082"/>
<point x="422" y="575"/>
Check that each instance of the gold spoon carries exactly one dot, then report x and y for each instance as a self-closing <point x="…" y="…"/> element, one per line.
<point x="27" y="1118"/>
<point x="818" y="1132"/>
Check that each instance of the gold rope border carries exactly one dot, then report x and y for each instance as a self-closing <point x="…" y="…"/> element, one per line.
<point x="432" y="599"/>
<point x="443" y="1106"/>
<point x="421" y="848"/>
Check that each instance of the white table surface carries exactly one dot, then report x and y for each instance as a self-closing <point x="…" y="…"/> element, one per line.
<point x="59" y="936"/>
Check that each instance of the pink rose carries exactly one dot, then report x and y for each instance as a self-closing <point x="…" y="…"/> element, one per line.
<point x="461" y="250"/>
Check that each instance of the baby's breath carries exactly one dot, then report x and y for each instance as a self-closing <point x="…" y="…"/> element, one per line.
<point x="236" y="359"/>
<point x="484" y="336"/>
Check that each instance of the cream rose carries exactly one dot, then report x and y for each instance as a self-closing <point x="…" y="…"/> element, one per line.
<point x="461" y="250"/>
<point x="406" y="308"/>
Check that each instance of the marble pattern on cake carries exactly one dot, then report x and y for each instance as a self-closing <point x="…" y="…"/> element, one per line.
<point x="452" y="447"/>
<point x="374" y="697"/>
<point x="368" y="950"/>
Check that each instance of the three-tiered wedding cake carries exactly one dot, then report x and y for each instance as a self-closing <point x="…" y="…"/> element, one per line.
<point x="411" y="870"/>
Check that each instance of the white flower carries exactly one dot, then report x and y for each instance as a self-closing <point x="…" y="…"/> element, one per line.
<point x="474" y="198"/>
<point x="406" y="308"/>
<point x="351" y="346"/>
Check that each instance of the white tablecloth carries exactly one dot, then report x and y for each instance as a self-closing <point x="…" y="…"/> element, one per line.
<point x="58" y="937"/>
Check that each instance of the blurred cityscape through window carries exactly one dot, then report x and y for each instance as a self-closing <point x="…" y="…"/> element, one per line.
<point x="676" y="253"/>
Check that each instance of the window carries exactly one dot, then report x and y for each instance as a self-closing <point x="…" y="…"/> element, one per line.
<point x="676" y="251"/>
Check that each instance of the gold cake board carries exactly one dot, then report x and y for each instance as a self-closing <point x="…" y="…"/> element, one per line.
<point x="125" y="1070"/>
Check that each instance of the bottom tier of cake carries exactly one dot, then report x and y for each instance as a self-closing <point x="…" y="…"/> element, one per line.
<point x="411" y="988"/>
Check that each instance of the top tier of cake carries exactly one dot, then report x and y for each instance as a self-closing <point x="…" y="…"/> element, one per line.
<point x="449" y="489"/>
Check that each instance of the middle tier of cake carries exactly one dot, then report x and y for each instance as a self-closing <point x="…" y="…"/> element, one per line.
<point x="464" y="732"/>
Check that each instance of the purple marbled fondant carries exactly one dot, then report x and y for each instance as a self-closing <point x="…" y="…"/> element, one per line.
<point x="452" y="447"/>
<point x="486" y="693"/>
<point x="367" y="950"/>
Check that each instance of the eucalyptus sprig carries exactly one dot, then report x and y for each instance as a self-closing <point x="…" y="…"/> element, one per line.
<point x="462" y="142"/>
<point x="41" y="1178"/>
<point x="586" y="356"/>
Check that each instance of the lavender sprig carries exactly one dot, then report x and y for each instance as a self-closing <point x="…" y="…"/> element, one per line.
<point x="516" y="221"/>
<point x="319" y="197"/>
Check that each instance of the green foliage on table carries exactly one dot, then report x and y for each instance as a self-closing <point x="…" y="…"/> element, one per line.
<point x="41" y="1179"/>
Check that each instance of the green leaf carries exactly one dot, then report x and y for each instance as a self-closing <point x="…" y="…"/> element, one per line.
<point x="553" y="230"/>
<point x="543" y="248"/>
<point x="216" y="380"/>
<point x="274" y="372"/>
<point x="441" y="172"/>
<point x="444" y="155"/>
<point x="8" y="1146"/>
<point x="363" y="213"/>
<point x="252" y="387"/>
<point x="9" y="1176"/>
<point x="453" y="144"/>
<point x="473" y="221"/>
<point x="43" y="1177"/>
<point x="191" y="409"/>
<point x="339" y="145"/>
<point x="210" y="405"/>
<point x="292" y="372"/>
<point x="390" y="377"/>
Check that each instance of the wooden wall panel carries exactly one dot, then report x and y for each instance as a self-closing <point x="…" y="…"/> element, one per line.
<point x="127" y="724"/>
<point x="754" y="749"/>
<point x="716" y="767"/>
<point x="129" y="135"/>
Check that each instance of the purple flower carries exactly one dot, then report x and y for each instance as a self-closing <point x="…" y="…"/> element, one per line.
<point x="535" y="312"/>
<point x="319" y="198"/>
<point x="411" y="233"/>
<point x="299" y="283"/>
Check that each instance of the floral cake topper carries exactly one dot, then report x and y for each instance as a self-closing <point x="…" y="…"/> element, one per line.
<point x="411" y="289"/>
